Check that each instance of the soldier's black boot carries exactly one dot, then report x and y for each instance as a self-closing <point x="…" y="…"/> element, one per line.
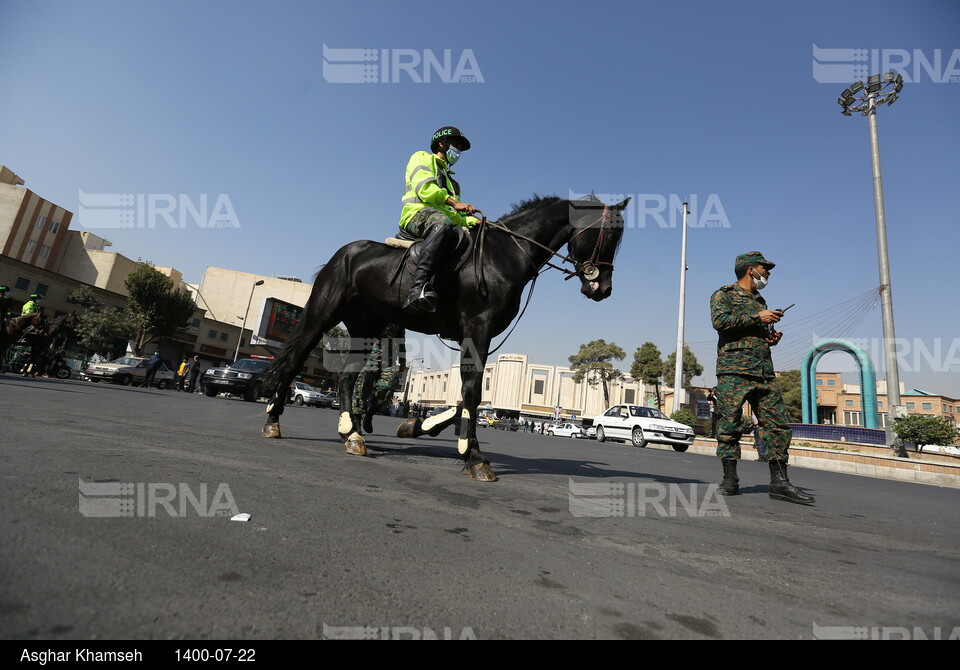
<point x="782" y="489"/>
<point x="422" y="297"/>
<point x="730" y="486"/>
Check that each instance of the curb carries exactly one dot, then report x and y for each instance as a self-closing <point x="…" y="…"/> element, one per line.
<point x="861" y="460"/>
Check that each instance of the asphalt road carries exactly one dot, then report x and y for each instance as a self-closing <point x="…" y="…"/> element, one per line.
<point x="576" y="539"/>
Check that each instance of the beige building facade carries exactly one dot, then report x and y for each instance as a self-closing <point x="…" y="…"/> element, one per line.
<point x="842" y="404"/>
<point x="513" y="386"/>
<point x="32" y="230"/>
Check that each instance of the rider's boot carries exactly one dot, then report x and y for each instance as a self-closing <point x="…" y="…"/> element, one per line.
<point x="730" y="486"/>
<point x="422" y="296"/>
<point x="782" y="489"/>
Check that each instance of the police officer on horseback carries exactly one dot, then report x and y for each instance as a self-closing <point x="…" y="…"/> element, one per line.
<point x="32" y="305"/>
<point x="432" y="211"/>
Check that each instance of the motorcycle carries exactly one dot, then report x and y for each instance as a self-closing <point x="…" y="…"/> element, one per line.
<point x="58" y="368"/>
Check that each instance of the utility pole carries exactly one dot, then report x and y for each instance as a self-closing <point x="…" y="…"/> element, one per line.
<point x="679" y="393"/>
<point x="880" y="90"/>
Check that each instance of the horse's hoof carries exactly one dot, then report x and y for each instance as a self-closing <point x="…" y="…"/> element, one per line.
<point x="355" y="445"/>
<point x="271" y="430"/>
<point x="481" y="472"/>
<point x="409" y="428"/>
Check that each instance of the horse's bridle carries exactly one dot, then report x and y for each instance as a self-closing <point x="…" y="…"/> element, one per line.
<point x="589" y="269"/>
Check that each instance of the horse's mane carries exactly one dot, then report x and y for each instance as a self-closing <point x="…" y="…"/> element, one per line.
<point x="531" y="204"/>
<point x="538" y="202"/>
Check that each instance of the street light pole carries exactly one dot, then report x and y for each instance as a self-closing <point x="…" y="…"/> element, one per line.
<point x="244" y="326"/>
<point x="679" y="394"/>
<point x="880" y="90"/>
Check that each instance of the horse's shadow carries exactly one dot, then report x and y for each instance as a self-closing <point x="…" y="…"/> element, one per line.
<point x="380" y="446"/>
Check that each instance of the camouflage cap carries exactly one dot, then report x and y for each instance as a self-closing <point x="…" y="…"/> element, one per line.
<point x="753" y="257"/>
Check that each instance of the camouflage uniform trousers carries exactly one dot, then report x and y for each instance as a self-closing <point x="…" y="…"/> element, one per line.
<point x="376" y="383"/>
<point x="767" y="402"/>
<point x="425" y="219"/>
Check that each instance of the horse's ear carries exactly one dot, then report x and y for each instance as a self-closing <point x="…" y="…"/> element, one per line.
<point x="623" y="204"/>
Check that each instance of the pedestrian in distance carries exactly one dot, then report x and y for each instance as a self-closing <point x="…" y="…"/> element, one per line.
<point x="182" y="374"/>
<point x="152" y="367"/>
<point x="193" y="375"/>
<point x="745" y="327"/>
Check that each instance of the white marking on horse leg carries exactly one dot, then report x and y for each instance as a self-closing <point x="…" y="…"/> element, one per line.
<point x="269" y="408"/>
<point x="345" y="425"/>
<point x="432" y="421"/>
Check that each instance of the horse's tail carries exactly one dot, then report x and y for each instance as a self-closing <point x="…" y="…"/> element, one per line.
<point x="284" y="365"/>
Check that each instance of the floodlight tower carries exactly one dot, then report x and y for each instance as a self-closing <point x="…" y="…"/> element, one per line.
<point x="880" y="90"/>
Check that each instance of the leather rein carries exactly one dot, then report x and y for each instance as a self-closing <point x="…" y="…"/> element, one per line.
<point x="590" y="269"/>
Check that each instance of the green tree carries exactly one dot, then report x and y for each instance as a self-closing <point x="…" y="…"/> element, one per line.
<point x="100" y="326"/>
<point x="156" y="307"/>
<point x="592" y="363"/>
<point x="691" y="367"/>
<point x="921" y="429"/>
<point x="685" y="417"/>
<point x="648" y="367"/>
<point x="792" y="394"/>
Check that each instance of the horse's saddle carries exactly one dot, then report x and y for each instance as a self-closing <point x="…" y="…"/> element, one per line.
<point x="404" y="240"/>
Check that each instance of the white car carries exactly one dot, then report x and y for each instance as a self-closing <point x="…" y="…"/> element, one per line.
<point x="564" y="430"/>
<point x="128" y="370"/>
<point x="641" y="425"/>
<point x="302" y="393"/>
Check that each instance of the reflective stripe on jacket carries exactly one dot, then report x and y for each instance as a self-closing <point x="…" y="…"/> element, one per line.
<point x="429" y="183"/>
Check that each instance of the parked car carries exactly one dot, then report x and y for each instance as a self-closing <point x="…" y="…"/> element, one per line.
<point x="302" y="393"/>
<point x="591" y="433"/>
<point x="641" y="425"/>
<point x="564" y="430"/>
<point x="334" y="400"/>
<point x="242" y="377"/>
<point x="507" y="424"/>
<point x="128" y="370"/>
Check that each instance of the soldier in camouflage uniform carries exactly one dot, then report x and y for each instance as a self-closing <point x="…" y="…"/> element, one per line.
<point x="745" y="374"/>
<point x="379" y="378"/>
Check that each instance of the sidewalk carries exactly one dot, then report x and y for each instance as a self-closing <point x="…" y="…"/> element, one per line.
<point x="856" y="459"/>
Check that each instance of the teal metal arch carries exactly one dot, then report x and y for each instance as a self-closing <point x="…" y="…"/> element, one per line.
<point x="868" y="381"/>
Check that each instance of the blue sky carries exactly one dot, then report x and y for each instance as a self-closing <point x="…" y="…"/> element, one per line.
<point x="711" y="101"/>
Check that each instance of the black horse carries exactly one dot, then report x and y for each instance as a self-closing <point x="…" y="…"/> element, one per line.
<point x="40" y="339"/>
<point x="13" y="328"/>
<point x="364" y="283"/>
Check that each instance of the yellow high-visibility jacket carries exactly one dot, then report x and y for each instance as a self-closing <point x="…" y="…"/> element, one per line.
<point x="429" y="182"/>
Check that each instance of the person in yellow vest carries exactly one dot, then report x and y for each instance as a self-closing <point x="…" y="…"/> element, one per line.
<point x="31" y="306"/>
<point x="181" y="374"/>
<point x="432" y="211"/>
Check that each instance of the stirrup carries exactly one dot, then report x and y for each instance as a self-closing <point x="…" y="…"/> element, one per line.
<point x="422" y="303"/>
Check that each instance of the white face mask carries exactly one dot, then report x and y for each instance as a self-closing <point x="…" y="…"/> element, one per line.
<point x="760" y="282"/>
<point x="453" y="155"/>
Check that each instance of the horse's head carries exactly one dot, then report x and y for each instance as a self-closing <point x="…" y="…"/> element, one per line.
<point x="598" y="229"/>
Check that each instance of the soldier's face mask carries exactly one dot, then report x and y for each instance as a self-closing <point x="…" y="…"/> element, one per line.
<point x="759" y="281"/>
